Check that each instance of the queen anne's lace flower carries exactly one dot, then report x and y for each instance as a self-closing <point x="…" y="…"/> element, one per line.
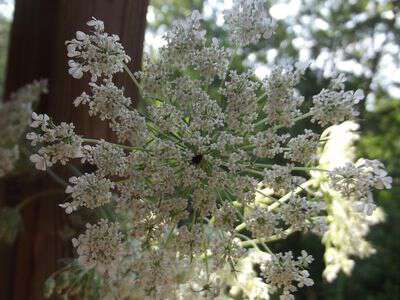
<point x="39" y="121"/>
<point x="226" y="217"/>
<point x="248" y="22"/>
<point x="283" y="101"/>
<point x="88" y="190"/>
<point x="303" y="148"/>
<point x="109" y="158"/>
<point x="285" y="273"/>
<point x="298" y="213"/>
<point x="376" y="173"/>
<point x="100" y="246"/>
<point x="335" y="105"/>
<point x="62" y="142"/>
<point x="263" y="223"/>
<point x="280" y="179"/>
<point x="107" y="100"/>
<point x="184" y="170"/>
<point x="186" y="35"/>
<point x="240" y="92"/>
<point x="347" y="223"/>
<point x="98" y="53"/>
<point x="268" y="144"/>
<point x="356" y="181"/>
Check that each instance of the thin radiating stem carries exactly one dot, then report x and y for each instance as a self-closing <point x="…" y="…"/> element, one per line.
<point x="305" y="116"/>
<point x="95" y="141"/>
<point x="301" y="168"/>
<point x="56" y="178"/>
<point x="138" y="85"/>
<point x="272" y="238"/>
<point x="280" y="201"/>
<point x="288" y="195"/>
<point x="30" y="199"/>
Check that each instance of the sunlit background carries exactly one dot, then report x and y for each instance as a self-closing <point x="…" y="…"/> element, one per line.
<point x="302" y="26"/>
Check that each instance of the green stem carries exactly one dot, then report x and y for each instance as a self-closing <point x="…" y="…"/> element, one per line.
<point x="262" y="96"/>
<point x="294" y="168"/>
<point x="272" y="238"/>
<point x="240" y="227"/>
<point x="130" y="148"/>
<point x="281" y="200"/>
<point x="28" y="200"/>
<point x="306" y="115"/>
<point x="265" y="195"/>
<point x="290" y="194"/>
<point x="56" y="178"/>
<point x="268" y="250"/>
<point x="134" y="80"/>
<point x="248" y="242"/>
<point x="254" y="172"/>
<point x="171" y="231"/>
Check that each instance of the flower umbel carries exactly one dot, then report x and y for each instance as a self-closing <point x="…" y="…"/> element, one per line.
<point x="183" y="176"/>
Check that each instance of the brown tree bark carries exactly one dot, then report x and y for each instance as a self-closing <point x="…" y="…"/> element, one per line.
<point x="37" y="50"/>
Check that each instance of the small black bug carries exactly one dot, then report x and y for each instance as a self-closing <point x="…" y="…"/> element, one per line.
<point x="196" y="160"/>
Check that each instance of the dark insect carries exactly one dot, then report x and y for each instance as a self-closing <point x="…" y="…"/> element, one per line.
<point x="196" y="160"/>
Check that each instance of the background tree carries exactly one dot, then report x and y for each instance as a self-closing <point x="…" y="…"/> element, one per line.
<point x="36" y="50"/>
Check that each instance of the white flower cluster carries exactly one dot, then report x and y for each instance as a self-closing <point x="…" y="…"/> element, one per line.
<point x="88" y="190"/>
<point x="283" y="102"/>
<point x="268" y="144"/>
<point x="247" y="283"/>
<point x="14" y="119"/>
<point x="60" y="142"/>
<point x="303" y="148"/>
<point x="348" y="225"/>
<point x="263" y="223"/>
<point x="109" y="158"/>
<point x="30" y="93"/>
<point x="98" y="53"/>
<point x="248" y="21"/>
<point x="285" y="273"/>
<point x="187" y="47"/>
<point x="296" y="214"/>
<point x="335" y="105"/>
<point x="299" y="213"/>
<point x="242" y="110"/>
<point x="346" y="236"/>
<point x="102" y="56"/>
<point x="280" y="180"/>
<point x="107" y="100"/>
<point x="356" y="181"/>
<point x="101" y="246"/>
<point x="192" y="159"/>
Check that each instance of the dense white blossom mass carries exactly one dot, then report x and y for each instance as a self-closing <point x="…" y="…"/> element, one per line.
<point x="248" y="21"/>
<point x="206" y="168"/>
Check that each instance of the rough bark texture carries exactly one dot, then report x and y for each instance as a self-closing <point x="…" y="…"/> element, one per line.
<point x="37" y="50"/>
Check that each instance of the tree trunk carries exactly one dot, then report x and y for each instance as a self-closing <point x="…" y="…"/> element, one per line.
<point x="37" y="50"/>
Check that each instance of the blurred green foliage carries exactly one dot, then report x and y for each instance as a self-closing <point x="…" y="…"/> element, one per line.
<point x="378" y="277"/>
<point x="167" y="11"/>
<point x="4" y="32"/>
